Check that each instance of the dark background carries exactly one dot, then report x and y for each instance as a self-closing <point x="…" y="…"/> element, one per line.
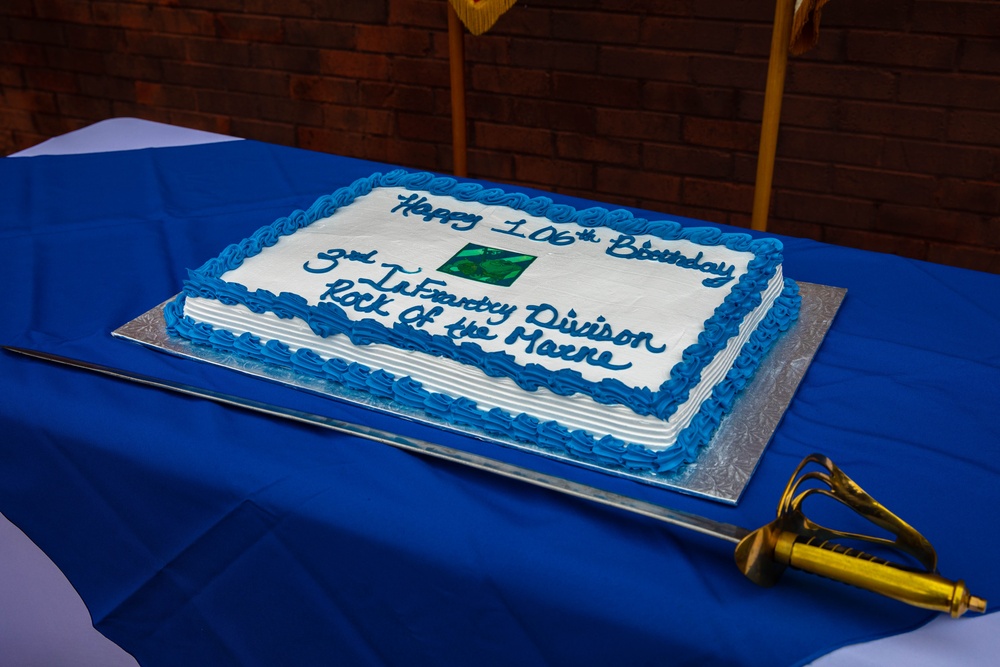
<point x="890" y="136"/>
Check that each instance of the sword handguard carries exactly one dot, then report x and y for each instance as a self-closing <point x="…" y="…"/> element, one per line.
<point x="792" y="540"/>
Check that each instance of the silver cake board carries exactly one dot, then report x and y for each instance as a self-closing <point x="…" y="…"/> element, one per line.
<point x="722" y="469"/>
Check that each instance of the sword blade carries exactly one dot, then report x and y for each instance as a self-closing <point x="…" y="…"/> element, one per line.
<point x="694" y="522"/>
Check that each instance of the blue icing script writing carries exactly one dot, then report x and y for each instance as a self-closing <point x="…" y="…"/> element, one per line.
<point x="624" y="247"/>
<point x="429" y="289"/>
<point x="420" y="207"/>
<point x="362" y="302"/>
<point x="567" y="352"/>
<point x="334" y="256"/>
<point x="547" y="316"/>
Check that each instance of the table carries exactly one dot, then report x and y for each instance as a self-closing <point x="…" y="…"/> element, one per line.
<point x="196" y="533"/>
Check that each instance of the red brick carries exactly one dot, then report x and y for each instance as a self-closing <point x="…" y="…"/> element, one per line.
<point x="353" y="64"/>
<point x="583" y="26"/>
<point x="933" y="223"/>
<point x="275" y="133"/>
<point x="980" y="55"/>
<point x="546" y="172"/>
<point x="291" y="112"/>
<point x="628" y="124"/>
<point x="902" y="49"/>
<point x="981" y="196"/>
<point x="590" y="148"/>
<point x="525" y="21"/>
<point x="80" y="106"/>
<point x="419" y="127"/>
<point x="876" y="242"/>
<point x="965" y="18"/>
<point x="837" y="147"/>
<point x="422" y="71"/>
<point x="716" y="133"/>
<point x="839" y="81"/>
<point x="29" y="100"/>
<point x="977" y="259"/>
<point x="487" y="48"/>
<point x="170" y="47"/>
<point x="636" y="63"/>
<point x="320" y="33"/>
<point x="323" y="89"/>
<point x="109" y="87"/>
<point x="885" y="15"/>
<point x="938" y="158"/>
<point x="796" y="110"/>
<point x="555" y="115"/>
<point x="17" y="120"/>
<point x="218" y="52"/>
<point x="96" y="38"/>
<point x="357" y="119"/>
<point x="717" y="194"/>
<point x="249" y="28"/>
<point x="946" y="89"/>
<point x="50" y="80"/>
<point x="36" y="32"/>
<point x="551" y="55"/>
<point x="487" y="107"/>
<point x="687" y="99"/>
<point x="795" y="228"/>
<point x="300" y="60"/>
<point x="893" y="119"/>
<point x="603" y="90"/>
<point x="535" y="141"/>
<point x="57" y="10"/>
<point x="418" y="155"/>
<point x="627" y="182"/>
<point x="356" y="11"/>
<point x="74" y="60"/>
<point x="829" y="211"/>
<point x="160" y="95"/>
<point x="974" y="127"/>
<point x="887" y="127"/>
<point x="684" y="160"/>
<point x="25" y="8"/>
<point x="491" y="165"/>
<point x="418" y="14"/>
<point x="879" y="185"/>
<point x="182" y="21"/>
<point x="527" y="83"/>
<point x="685" y="34"/>
<point x="196" y="121"/>
<point x="21" y="53"/>
<point x="730" y="72"/>
<point x="734" y="11"/>
<point x="10" y="77"/>
<point x="797" y="175"/>
<point x="393" y="39"/>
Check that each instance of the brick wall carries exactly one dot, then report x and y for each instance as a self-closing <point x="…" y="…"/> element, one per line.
<point x="890" y="136"/>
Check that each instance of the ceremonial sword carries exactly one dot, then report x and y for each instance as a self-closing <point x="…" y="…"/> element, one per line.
<point x="791" y="540"/>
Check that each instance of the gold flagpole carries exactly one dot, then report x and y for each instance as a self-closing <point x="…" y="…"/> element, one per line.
<point x="456" y="57"/>
<point x="776" y="67"/>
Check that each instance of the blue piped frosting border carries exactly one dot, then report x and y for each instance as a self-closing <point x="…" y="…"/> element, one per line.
<point x="327" y="319"/>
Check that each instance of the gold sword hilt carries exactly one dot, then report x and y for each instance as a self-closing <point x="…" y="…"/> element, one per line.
<point x="793" y="540"/>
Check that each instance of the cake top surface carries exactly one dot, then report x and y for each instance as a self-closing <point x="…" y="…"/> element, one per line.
<point x="592" y="296"/>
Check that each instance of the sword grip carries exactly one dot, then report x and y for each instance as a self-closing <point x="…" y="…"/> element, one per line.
<point x="857" y="568"/>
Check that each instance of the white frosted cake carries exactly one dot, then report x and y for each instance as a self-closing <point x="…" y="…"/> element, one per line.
<point x="611" y="339"/>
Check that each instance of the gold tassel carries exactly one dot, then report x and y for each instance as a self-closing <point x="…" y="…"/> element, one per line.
<point x="480" y="15"/>
<point x="805" y="25"/>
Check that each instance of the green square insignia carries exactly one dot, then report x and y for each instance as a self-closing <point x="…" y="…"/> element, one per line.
<point x="487" y="265"/>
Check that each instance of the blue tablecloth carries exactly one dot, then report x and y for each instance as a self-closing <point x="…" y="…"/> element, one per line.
<point x="202" y="535"/>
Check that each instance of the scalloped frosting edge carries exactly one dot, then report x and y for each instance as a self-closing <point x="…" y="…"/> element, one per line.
<point x="327" y="319"/>
<point x="606" y="451"/>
